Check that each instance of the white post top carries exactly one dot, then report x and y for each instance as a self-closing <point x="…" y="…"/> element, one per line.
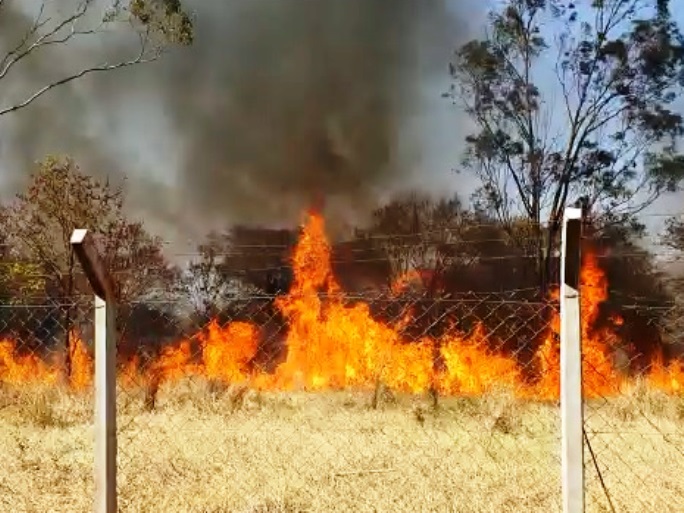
<point x="78" y="236"/>
<point x="86" y="251"/>
<point x="572" y="213"/>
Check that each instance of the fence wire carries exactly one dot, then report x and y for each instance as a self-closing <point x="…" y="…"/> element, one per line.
<point x="338" y="403"/>
<point x="46" y="405"/>
<point x="342" y="404"/>
<point x="634" y="413"/>
<point x="366" y="404"/>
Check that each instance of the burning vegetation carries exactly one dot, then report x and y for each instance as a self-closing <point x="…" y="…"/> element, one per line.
<point x="335" y="341"/>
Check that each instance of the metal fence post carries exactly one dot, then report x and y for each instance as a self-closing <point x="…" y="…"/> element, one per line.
<point x="572" y="421"/>
<point x="105" y="371"/>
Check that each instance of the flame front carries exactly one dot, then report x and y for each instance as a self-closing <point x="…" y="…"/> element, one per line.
<point x="19" y="369"/>
<point x="333" y="343"/>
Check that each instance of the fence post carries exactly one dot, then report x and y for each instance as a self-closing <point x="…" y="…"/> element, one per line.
<point x="572" y="421"/>
<point x="105" y="371"/>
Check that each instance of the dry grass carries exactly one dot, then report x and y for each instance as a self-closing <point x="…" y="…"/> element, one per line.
<point x="212" y="449"/>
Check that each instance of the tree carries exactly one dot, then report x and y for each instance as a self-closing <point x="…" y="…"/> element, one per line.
<point x="39" y="224"/>
<point x="204" y="283"/>
<point x="417" y="233"/>
<point x="259" y="257"/>
<point x="572" y="102"/>
<point x="361" y="264"/>
<point x="136" y="260"/>
<point x="497" y="257"/>
<point x="237" y="274"/>
<point x="150" y="26"/>
<point x="21" y="284"/>
<point x="674" y="240"/>
<point x="674" y="233"/>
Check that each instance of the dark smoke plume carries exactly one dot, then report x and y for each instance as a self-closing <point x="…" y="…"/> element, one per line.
<point x="278" y="102"/>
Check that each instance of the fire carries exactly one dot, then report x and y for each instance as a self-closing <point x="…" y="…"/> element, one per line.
<point x="405" y="281"/>
<point x="599" y="375"/>
<point x="333" y="343"/>
<point x="81" y="375"/>
<point x="472" y="369"/>
<point x="668" y="378"/>
<point x="18" y="369"/>
<point x="227" y="352"/>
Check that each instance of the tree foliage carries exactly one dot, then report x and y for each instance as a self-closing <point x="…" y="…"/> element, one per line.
<point x="38" y="225"/>
<point x="204" y="283"/>
<point x="674" y="240"/>
<point x="149" y="26"/>
<point x="572" y="102"/>
<point x="418" y="233"/>
<point x="61" y="198"/>
<point x="259" y="257"/>
<point x="241" y="264"/>
<point x="674" y="233"/>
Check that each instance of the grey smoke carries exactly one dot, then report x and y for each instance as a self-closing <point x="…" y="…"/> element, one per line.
<point x="278" y="102"/>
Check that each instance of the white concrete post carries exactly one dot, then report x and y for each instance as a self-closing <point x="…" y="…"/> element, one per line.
<point x="105" y="371"/>
<point x="572" y="421"/>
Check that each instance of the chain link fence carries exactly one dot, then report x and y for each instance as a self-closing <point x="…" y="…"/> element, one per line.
<point x="634" y="411"/>
<point x="393" y="404"/>
<point x="375" y="406"/>
<point x="46" y="404"/>
<point x="335" y="403"/>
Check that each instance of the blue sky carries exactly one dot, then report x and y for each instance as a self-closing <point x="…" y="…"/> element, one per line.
<point x="546" y="78"/>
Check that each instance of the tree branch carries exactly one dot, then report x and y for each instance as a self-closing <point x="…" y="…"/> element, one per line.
<point x="140" y="59"/>
<point x="21" y="51"/>
<point x="65" y="30"/>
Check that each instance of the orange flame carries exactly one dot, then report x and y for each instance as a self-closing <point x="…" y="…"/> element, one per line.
<point x="599" y="376"/>
<point x="333" y="344"/>
<point x="15" y="369"/>
<point x="226" y="352"/>
<point x="81" y="375"/>
<point x="667" y="378"/>
<point x="18" y="369"/>
<point x="405" y="281"/>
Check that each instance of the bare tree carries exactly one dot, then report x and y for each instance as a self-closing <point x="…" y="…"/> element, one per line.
<point x="204" y="283"/>
<point x="258" y="256"/>
<point x="32" y="30"/>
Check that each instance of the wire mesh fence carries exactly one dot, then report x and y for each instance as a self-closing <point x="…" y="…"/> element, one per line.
<point x="634" y="413"/>
<point x="342" y="402"/>
<point x="320" y="403"/>
<point x="331" y="403"/>
<point x="46" y="405"/>
<point x="44" y="340"/>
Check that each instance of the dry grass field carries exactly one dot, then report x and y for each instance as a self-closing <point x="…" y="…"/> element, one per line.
<point x="208" y="449"/>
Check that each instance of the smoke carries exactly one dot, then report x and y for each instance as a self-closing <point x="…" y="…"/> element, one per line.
<point x="277" y="103"/>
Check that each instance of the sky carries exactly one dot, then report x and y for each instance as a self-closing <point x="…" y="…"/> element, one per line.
<point x="139" y="130"/>
<point x="146" y="121"/>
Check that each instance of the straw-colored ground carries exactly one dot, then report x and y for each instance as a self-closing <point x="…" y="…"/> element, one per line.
<point x="209" y="450"/>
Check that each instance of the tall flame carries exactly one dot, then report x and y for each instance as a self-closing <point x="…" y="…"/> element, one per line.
<point x="333" y="343"/>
